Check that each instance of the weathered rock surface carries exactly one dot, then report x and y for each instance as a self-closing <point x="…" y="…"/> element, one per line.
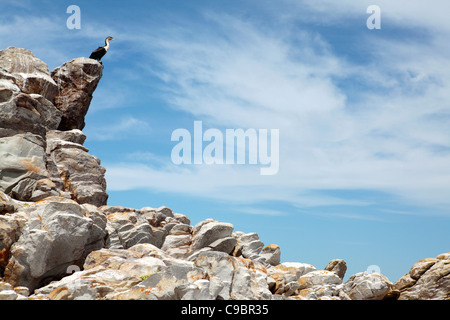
<point x="59" y="240"/>
<point x="26" y="72"/>
<point x="367" y="286"/>
<point x="428" y="279"/>
<point x="338" y="266"/>
<point x="80" y="173"/>
<point x="57" y="235"/>
<point x="76" y="81"/>
<point x="36" y="159"/>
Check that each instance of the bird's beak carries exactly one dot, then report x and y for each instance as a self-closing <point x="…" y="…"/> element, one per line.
<point x="113" y="39"/>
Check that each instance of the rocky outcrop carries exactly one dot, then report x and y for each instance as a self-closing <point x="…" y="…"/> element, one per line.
<point x="59" y="240"/>
<point x="428" y="279"/>
<point x="39" y="155"/>
<point x="58" y="233"/>
<point x="76" y="81"/>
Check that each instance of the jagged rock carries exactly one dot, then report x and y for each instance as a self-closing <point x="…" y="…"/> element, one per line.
<point x="177" y="245"/>
<point x="21" y="68"/>
<point x="170" y="283"/>
<point x="271" y="254"/>
<point x="319" y="284"/>
<point x="180" y="229"/>
<point x="8" y="292"/>
<point x="337" y="266"/>
<point x="27" y="113"/>
<point x="428" y="279"/>
<point x="74" y="136"/>
<point x="127" y="227"/>
<point x="199" y="290"/>
<point x="81" y="174"/>
<point x="76" y="81"/>
<point x="367" y="286"/>
<point x="248" y="245"/>
<point x="23" y="173"/>
<point x="36" y="160"/>
<point x="8" y="204"/>
<point x="98" y="233"/>
<point x="11" y="226"/>
<point x="224" y="245"/>
<point x="55" y="236"/>
<point x="240" y="279"/>
<point x="208" y="231"/>
<point x="285" y="273"/>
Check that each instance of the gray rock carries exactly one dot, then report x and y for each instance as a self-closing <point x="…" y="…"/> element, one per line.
<point x="174" y="241"/>
<point x="224" y="245"/>
<point x="239" y="280"/>
<point x="22" y="165"/>
<point x="199" y="290"/>
<point x="54" y="237"/>
<point x="27" y="72"/>
<point x="428" y="279"/>
<point x="285" y="273"/>
<point x="170" y="283"/>
<point x="271" y="254"/>
<point x="207" y="232"/>
<point x="75" y="136"/>
<point x="98" y="233"/>
<point x="248" y="245"/>
<point x="337" y="266"/>
<point x="10" y="231"/>
<point x="318" y="278"/>
<point x="127" y="227"/>
<point x="80" y="172"/>
<point x="76" y="81"/>
<point x="181" y="229"/>
<point x="8" y="295"/>
<point x="367" y="286"/>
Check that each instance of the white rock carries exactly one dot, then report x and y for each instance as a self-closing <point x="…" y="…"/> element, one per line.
<point x="54" y="238"/>
<point x="367" y="286"/>
<point x="8" y="295"/>
<point x="208" y="232"/>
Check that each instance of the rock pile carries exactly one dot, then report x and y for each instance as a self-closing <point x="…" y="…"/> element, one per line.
<point x="60" y="241"/>
<point x="41" y="145"/>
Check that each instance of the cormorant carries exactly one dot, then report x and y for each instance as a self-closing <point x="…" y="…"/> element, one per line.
<point x="98" y="53"/>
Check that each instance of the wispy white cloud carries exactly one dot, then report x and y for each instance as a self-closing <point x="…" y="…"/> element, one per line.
<point x="390" y="135"/>
<point x="245" y="76"/>
<point x="124" y="128"/>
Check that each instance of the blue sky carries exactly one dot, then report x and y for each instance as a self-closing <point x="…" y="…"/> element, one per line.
<point x="363" y="115"/>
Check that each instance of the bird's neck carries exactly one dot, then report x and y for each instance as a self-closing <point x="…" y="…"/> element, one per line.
<point x="106" y="44"/>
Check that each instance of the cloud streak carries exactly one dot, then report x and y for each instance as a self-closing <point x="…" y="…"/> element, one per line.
<point x="379" y="125"/>
<point x="389" y="136"/>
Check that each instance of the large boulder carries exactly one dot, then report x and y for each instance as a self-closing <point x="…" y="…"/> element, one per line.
<point x="428" y="279"/>
<point x="26" y="113"/>
<point x="23" y="170"/>
<point x="338" y="266"/>
<point x="22" y="69"/>
<point x="366" y="286"/>
<point x="208" y="231"/>
<point x="77" y="81"/>
<point x="55" y="237"/>
<point x="239" y="279"/>
<point x="81" y="173"/>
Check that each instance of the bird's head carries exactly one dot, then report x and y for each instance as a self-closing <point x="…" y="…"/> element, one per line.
<point x="110" y="38"/>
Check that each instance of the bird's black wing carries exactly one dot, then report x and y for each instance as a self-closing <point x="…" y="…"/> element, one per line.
<point x="98" y="53"/>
